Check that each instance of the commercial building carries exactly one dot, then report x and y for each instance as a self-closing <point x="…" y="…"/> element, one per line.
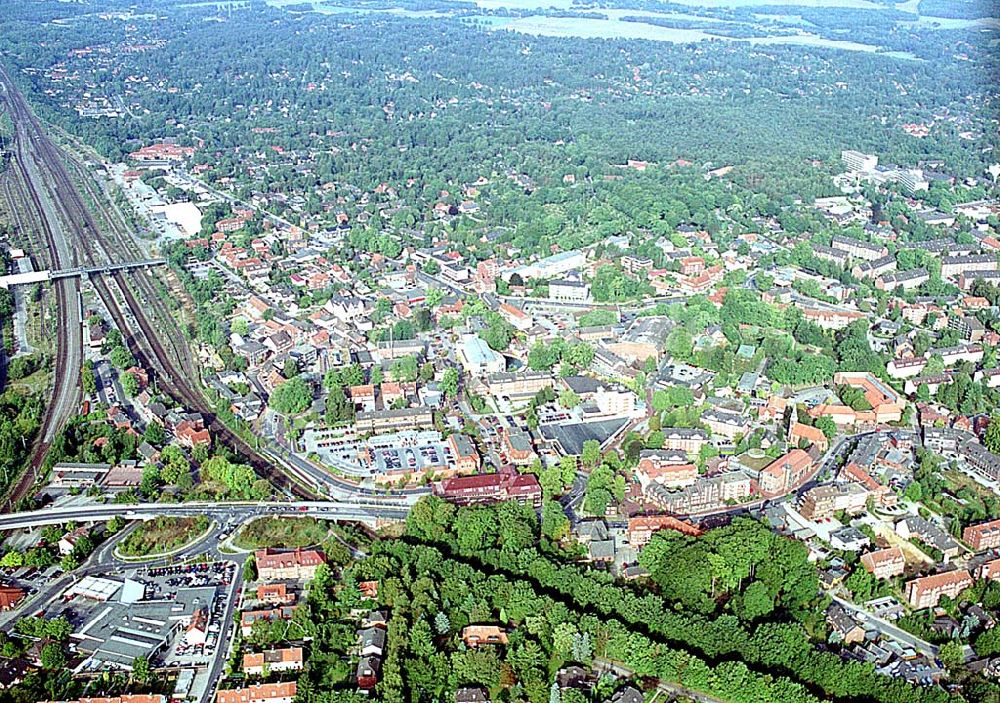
<point x="644" y="339"/>
<point x="518" y="386"/>
<point x="569" y="291"/>
<point x="382" y="421"/>
<point x="926" y="592"/>
<point x="121" y="632"/>
<point x="884" y="563"/>
<point x="298" y="564"/>
<point x="477" y="358"/>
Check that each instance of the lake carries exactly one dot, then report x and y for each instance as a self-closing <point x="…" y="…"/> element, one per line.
<point x="616" y="29"/>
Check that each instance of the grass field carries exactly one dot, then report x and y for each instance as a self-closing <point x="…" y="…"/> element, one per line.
<point x="162" y="535"/>
<point x="283" y="533"/>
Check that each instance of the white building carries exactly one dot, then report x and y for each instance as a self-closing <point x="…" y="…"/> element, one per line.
<point x="477" y="357"/>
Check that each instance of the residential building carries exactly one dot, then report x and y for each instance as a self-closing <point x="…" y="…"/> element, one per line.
<point x="902" y="280"/>
<point x="386" y="421"/>
<point x="273" y="661"/>
<point x="642" y="528"/>
<point x="298" y="564"/>
<point x="10" y="596"/>
<point x="952" y="266"/>
<point x="491" y="488"/>
<point x="644" y="339"/>
<point x="823" y="502"/>
<point x="684" y="439"/>
<point x="259" y="693"/>
<point x="985" y="535"/>
<point x="663" y="468"/>
<point x="478" y="635"/>
<point x="275" y="594"/>
<point x="859" y="249"/>
<point x="884" y="563"/>
<point x="926" y="592"/>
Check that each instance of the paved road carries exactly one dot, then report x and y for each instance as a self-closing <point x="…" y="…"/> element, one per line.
<point x="888" y="628"/>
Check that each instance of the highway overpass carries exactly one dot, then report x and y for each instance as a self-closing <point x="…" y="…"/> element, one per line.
<point x="368" y="512"/>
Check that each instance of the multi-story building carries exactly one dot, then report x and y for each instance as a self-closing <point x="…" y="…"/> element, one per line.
<point x="642" y="528"/>
<point x="259" y="693"/>
<point x="985" y="535"/>
<point x="491" y="488"/>
<point x="570" y="291"/>
<point x="661" y="467"/>
<point x="990" y="571"/>
<point x="477" y="357"/>
<point x="273" y="661"/>
<point x="726" y="423"/>
<point x="823" y="502"/>
<point x="952" y="266"/>
<point x="685" y="440"/>
<point x="784" y="473"/>
<point x="518" y="385"/>
<point x="857" y="161"/>
<point x="385" y="421"/>
<point x="903" y="280"/>
<point x="297" y="564"/>
<point x="926" y="592"/>
<point x="834" y="256"/>
<point x="859" y="249"/>
<point x="966" y="279"/>
<point x="884" y="563"/>
<point x="704" y="495"/>
<point x="980" y="458"/>
<point x="874" y="269"/>
<point x="249" y="617"/>
<point x="517" y="444"/>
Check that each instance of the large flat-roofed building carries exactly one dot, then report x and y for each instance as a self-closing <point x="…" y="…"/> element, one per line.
<point x="120" y="633"/>
<point x="569" y="291"/>
<point x="477" y="357"/>
<point x="926" y="592"/>
<point x="549" y="267"/>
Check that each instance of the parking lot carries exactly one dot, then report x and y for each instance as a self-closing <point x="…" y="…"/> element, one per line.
<point x="164" y="582"/>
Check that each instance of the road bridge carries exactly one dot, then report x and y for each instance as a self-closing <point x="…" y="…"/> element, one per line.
<point x="369" y="512"/>
<point x="22" y="279"/>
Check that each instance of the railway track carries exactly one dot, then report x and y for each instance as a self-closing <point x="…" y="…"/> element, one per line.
<point x="142" y="336"/>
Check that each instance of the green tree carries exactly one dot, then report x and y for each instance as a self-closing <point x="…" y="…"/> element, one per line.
<point x="291" y="397"/>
